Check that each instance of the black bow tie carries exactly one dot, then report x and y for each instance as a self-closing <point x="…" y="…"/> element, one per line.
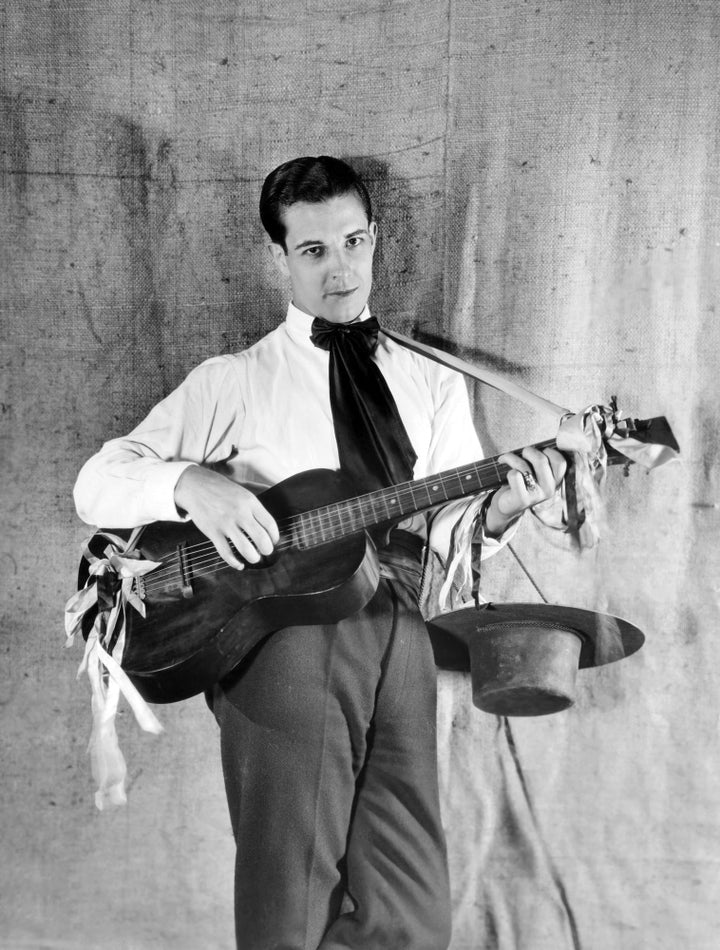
<point x="373" y="445"/>
<point x="323" y="332"/>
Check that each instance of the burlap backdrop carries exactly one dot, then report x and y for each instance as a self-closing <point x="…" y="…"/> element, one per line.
<point x="584" y="137"/>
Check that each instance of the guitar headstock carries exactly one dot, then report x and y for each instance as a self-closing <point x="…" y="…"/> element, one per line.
<point x="655" y="431"/>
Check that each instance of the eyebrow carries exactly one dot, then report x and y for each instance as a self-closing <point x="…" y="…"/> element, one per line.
<point x="355" y="233"/>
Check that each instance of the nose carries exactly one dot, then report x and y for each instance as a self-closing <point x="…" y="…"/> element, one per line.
<point x="339" y="264"/>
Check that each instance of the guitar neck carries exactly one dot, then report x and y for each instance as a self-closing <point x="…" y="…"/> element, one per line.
<point x="363" y="512"/>
<point x="335" y="521"/>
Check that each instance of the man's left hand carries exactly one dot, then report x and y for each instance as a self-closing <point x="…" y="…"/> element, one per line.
<point x="534" y="477"/>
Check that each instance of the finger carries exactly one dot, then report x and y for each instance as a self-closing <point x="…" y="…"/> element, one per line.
<point x="222" y="546"/>
<point x="260" y="538"/>
<point x="243" y="543"/>
<point x="522" y="485"/>
<point x="258" y="526"/>
<point x="521" y="477"/>
<point x="530" y="480"/>
<point x="549" y="467"/>
<point x="558" y="464"/>
<point x="541" y="470"/>
<point x="268" y="523"/>
<point x="516" y="496"/>
<point x="513" y="460"/>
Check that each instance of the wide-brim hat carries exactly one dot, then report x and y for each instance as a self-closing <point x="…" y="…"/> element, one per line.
<point x="523" y="658"/>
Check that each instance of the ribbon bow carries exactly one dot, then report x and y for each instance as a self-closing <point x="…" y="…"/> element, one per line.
<point x="578" y="508"/>
<point x="109" y="587"/>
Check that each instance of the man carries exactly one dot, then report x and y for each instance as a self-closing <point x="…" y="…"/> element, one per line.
<point x="327" y="731"/>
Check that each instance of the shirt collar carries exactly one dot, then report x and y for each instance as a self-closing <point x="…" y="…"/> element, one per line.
<point x="299" y="323"/>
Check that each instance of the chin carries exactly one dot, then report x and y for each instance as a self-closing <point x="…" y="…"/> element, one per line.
<point x="345" y="312"/>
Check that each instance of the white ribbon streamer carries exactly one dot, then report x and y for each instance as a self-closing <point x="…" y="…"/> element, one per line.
<point x="581" y="435"/>
<point x="458" y="573"/>
<point x="107" y="678"/>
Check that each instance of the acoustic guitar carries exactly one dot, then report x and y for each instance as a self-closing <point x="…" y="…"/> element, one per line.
<point x="203" y="617"/>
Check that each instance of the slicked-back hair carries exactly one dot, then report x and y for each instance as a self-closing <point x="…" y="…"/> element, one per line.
<point x="312" y="179"/>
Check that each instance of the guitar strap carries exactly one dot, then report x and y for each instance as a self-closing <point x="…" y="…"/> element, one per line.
<point x="570" y="509"/>
<point x="483" y="375"/>
<point x="581" y="434"/>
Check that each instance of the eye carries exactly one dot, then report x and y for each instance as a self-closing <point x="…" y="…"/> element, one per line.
<point x="356" y="240"/>
<point x="314" y="251"/>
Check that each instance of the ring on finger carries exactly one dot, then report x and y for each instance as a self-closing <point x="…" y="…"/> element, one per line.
<point x="530" y="483"/>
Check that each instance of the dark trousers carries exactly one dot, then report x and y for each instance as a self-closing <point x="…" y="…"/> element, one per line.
<point x="329" y="756"/>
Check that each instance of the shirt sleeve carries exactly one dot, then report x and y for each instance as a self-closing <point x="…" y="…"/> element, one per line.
<point x="131" y="480"/>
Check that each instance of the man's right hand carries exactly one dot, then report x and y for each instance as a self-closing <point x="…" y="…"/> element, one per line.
<point x="226" y="513"/>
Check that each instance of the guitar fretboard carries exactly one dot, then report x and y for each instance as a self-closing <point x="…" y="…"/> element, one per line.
<point x="335" y="521"/>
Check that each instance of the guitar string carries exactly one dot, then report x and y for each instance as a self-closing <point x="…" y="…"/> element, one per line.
<point x="333" y="515"/>
<point x="203" y="554"/>
<point x="317" y="520"/>
<point x="328" y="514"/>
<point x="209" y="561"/>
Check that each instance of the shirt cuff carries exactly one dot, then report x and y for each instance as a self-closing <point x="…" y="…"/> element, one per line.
<point x="445" y="520"/>
<point x="489" y="543"/>
<point x="159" y="491"/>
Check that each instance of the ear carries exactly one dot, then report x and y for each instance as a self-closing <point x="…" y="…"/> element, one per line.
<point x="279" y="256"/>
<point x="373" y="230"/>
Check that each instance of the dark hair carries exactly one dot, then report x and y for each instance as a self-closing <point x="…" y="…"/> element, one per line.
<point x="307" y="179"/>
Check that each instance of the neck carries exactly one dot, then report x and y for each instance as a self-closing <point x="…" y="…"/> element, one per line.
<point x="364" y="313"/>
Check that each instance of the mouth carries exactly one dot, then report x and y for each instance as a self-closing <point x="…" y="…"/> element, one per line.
<point x="342" y="293"/>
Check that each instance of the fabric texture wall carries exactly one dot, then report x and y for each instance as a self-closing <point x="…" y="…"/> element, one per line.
<point x="583" y="140"/>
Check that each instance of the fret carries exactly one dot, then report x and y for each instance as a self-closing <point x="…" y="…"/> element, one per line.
<point x="436" y="490"/>
<point x="303" y="535"/>
<point x="394" y="504"/>
<point x="456" y="477"/>
<point x="469" y="481"/>
<point x="418" y="493"/>
<point x="428" y="492"/>
<point x="379" y="507"/>
<point x="325" y="526"/>
<point x="353" y="515"/>
<point x="322" y="527"/>
<point x="497" y="470"/>
<point x="385" y="503"/>
<point x="366" y="511"/>
<point x="340" y="520"/>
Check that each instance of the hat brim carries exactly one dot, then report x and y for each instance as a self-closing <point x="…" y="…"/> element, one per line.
<point x="605" y="638"/>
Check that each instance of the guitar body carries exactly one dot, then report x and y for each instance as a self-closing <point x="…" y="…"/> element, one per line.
<point x="203" y="617"/>
<point x="196" y="632"/>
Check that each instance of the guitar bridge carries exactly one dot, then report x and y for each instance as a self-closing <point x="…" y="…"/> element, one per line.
<point x="185" y="572"/>
<point x="139" y="585"/>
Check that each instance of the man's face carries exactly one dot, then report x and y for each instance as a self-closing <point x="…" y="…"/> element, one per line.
<point x="330" y="247"/>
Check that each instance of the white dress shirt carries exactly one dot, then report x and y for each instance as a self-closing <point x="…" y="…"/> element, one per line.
<point x="265" y="413"/>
